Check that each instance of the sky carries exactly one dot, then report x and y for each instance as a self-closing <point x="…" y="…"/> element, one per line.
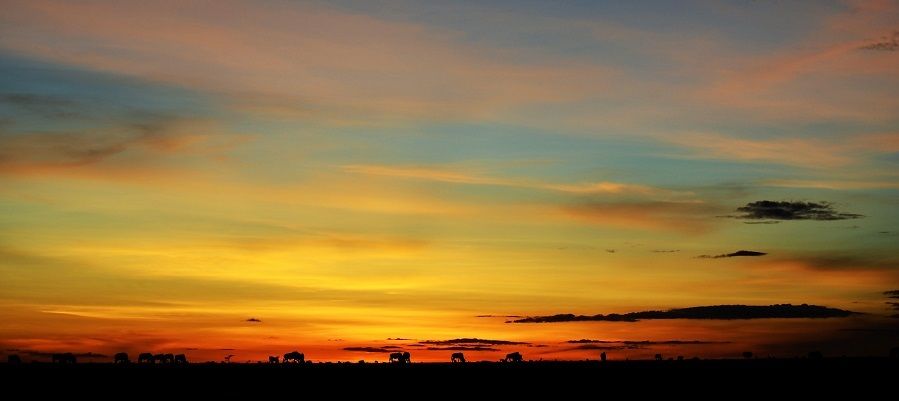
<point x="240" y="178"/>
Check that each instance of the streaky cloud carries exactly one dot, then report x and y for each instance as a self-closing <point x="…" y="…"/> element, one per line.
<point x="470" y="341"/>
<point x="739" y="253"/>
<point x="715" y="312"/>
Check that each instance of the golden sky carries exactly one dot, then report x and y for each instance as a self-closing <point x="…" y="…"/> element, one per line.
<point x="346" y="173"/>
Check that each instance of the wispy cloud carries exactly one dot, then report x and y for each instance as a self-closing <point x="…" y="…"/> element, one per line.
<point x="144" y="142"/>
<point x="415" y="70"/>
<point x="381" y="350"/>
<point x="686" y="216"/>
<point x="885" y="43"/>
<point x="803" y="152"/>
<point x="715" y="312"/>
<point x="451" y="175"/>
<point x="471" y="341"/>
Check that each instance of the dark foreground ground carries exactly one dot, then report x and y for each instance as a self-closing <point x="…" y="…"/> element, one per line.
<point x="855" y="377"/>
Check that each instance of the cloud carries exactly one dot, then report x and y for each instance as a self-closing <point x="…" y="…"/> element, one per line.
<point x="645" y="342"/>
<point x="861" y="182"/>
<point x="457" y="176"/>
<point x="371" y="349"/>
<point x="253" y="320"/>
<point x="462" y="348"/>
<point x="715" y="312"/>
<point x="398" y="339"/>
<point x="683" y="216"/>
<point x="734" y="254"/>
<point x="414" y="71"/>
<point x="835" y="260"/>
<point x="45" y="354"/>
<point x="885" y="43"/>
<point x="604" y="347"/>
<point x="792" y="210"/>
<point x="471" y="341"/>
<point x="801" y="152"/>
<point x="665" y="250"/>
<point x="146" y="138"/>
<point x="50" y="107"/>
<point x="498" y="316"/>
<point x="892" y="294"/>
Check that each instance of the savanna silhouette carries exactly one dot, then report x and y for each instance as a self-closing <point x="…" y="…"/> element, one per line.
<point x="506" y="199"/>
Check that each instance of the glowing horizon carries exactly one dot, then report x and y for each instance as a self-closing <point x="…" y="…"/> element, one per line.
<point x="346" y="172"/>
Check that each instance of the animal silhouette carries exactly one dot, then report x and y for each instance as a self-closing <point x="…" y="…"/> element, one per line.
<point x="457" y="357"/>
<point x="294" y="356"/>
<point x="121" y="358"/>
<point x="272" y="359"/>
<point x="65" y="358"/>
<point x="747" y="355"/>
<point x="180" y="359"/>
<point x="815" y="355"/>
<point x="400" y="357"/>
<point x="658" y="357"/>
<point x="602" y="357"/>
<point x="146" y="357"/>
<point x="164" y="358"/>
<point x="13" y="359"/>
<point x="513" y="357"/>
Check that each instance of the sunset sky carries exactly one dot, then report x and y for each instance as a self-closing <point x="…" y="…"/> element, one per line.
<point x="250" y="178"/>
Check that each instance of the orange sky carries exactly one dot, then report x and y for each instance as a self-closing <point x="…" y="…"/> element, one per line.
<point x="348" y="173"/>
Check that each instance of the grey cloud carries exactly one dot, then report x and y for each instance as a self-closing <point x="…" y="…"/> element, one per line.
<point x="885" y="43"/>
<point x="733" y="254"/>
<point x="714" y="312"/>
<point x="792" y="210"/>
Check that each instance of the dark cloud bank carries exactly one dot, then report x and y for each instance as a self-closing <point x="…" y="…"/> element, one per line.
<point x="605" y="345"/>
<point x="792" y="210"/>
<point x="893" y="294"/>
<point x="715" y="312"/>
<point x="885" y="43"/>
<point x="471" y="341"/>
<point x="733" y="255"/>
<point x="386" y="349"/>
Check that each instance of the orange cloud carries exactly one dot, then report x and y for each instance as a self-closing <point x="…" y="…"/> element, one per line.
<point x="450" y="175"/>
<point x="300" y="60"/>
<point x="692" y="217"/>
<point x="128" y="150"/>
<point x="817" y="153"/>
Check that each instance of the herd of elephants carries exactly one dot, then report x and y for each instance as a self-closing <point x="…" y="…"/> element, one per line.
<point x="290" y="357"/>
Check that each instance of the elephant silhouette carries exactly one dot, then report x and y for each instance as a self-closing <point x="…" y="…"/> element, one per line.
<point x="400" y="357"/>
<point x="658" y="357"/>
<point x="165" y="359"/>
<point x="64" y="358"/>
<point x="513" y="357"/>
<point x="457" y="357"/>
<point x="294" y="356"/>
<point x="180" y="359"/>
<point x="146" y="357"/>
<point x="602" y="357"/>
<point x="272" y="359"/>
<point x="13" y="359"/>
<point x="121" y="358"/>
